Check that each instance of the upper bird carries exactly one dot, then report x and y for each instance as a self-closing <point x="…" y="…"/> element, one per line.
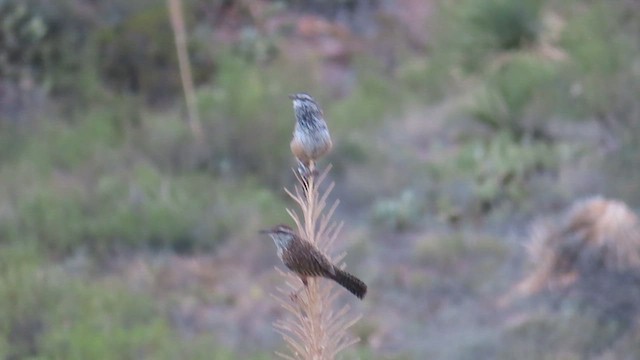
<point x="311" y="139"/>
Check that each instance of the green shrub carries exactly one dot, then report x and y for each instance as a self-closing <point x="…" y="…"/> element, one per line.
<point x="77" y="55"/>
<point x="53" y="218"/>
<point x="602" y="77"/>
<point x="105" y="323"/>
<point x="142" y="210"/>
<point x="115" y="179"/>
<point x="71" y="146"/>
<point x="136" y="52"/>
<point x="510" y="92"/>
<point x="48" y="312"/>
<point x="102" y="204"/>
<point x="21" y="38"/>
<point x="505" y="24"/>
<point x="25" y="294"/>
<point x="398" y="213"/>
<point x="44" y="42"/>
<point x="496" y="169"/>
<point x="467" y="33"/>
<point x="596" y="41"/>
<point x="374" y="97"/>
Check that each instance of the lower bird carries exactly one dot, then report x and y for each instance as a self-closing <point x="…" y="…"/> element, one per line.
<point x="304" y="259"/>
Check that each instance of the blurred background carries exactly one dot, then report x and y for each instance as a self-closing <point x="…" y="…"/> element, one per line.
<point x="467" y="135"/>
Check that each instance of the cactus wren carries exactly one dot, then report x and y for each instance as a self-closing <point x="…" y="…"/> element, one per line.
<point x="311" y="139"/>
<point x="304" y="259"/>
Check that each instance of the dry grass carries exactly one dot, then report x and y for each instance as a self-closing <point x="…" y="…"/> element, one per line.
<point x="316" y="327"/>
<point x="177" y="24"/>
<point x="595" y="236"/>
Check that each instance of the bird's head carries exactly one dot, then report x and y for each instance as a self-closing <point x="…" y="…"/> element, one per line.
<point x="281" y="234"/>
<point x="305" y="107"/>
<point x="301" y="97"/>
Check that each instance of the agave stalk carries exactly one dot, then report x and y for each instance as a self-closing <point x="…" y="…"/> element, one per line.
<point x="315" y="328"/>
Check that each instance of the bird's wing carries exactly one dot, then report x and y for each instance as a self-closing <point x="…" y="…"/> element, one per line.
<point x="305" y="259"/>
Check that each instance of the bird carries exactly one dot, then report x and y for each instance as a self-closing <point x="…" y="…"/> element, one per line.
<point x="305" y="260"/>
<point x="311" y="138"/>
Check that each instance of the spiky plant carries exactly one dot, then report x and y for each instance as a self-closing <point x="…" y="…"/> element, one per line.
<point x="595" y="237"/>
<point x="315" y="328"/>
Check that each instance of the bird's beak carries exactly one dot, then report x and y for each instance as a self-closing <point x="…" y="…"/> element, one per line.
<point x="292" y="96"/>
<point x="265" y="231"/>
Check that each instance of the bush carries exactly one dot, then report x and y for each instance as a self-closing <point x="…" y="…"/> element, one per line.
<point x="509" y="94"/>
<point x="595" y="240"/>
<point x="21" y="38"/>
<point x="141" y="210"/>
<point x="486" y="172"/>
<point x="602" y="78"/>
<point x="398" y="213"/>
<point x="49" y="313"/>
<point x="89" y="186"/>
<point x="77" y="55"/>
<point x="136" y="52"/>
<point x="468" y="32"/>
<point x="506" y="24"/>
<point x="24" y="296"/>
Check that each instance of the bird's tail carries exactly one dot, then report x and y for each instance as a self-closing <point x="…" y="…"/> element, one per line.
<point x="351" y="283"/>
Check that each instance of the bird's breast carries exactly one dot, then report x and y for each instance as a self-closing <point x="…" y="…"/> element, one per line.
<point x="313" y="143"/>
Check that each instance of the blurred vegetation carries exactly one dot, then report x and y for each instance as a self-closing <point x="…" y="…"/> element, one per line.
<point x="48" y="314"/>
<point x="21" y="38"/>
<point x="469" y="35"/>
<point x="510" y="95"/>
<point x="554" y="335"/>
<point x="109" y="167"/>
<point x="557" y="64"/>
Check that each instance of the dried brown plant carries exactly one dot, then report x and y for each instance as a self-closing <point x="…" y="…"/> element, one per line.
<point x="315" y="328"/>
<point x="595" y="236"/>
<point x="179" y="32"/>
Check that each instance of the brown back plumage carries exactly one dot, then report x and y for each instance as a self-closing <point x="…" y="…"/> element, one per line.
<point x="304" y="259"/>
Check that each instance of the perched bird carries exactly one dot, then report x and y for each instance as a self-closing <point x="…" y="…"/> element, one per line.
<point x="311" y="139"/>
<point x="304" y="259"/>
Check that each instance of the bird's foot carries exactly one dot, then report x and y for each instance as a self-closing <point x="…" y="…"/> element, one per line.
<point x="294" y="296"/>
<point x="304" y="172"/>
<point x="307" y="172"/>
